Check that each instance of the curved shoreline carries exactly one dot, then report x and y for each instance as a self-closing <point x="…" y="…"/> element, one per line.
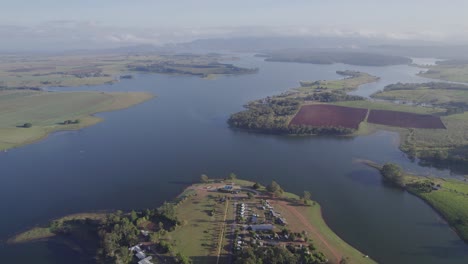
<point x="86" y="120"/>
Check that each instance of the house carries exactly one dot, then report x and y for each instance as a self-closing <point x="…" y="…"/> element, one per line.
<point x="135" y="248"/>
<point x="266" y="227"/>
<point x="281" y="221"/>
<point x="226" y="189"/>
<point x="146" y="261"/>
<point x="254" y="219"/>
<point x="140" y="255"/>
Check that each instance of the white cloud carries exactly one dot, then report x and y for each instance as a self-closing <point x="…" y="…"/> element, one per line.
<point x="70" y="34"/>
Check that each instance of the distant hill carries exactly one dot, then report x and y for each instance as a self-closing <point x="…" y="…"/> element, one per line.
<point x="425" y="51"/>
<point x="330" y="57"/>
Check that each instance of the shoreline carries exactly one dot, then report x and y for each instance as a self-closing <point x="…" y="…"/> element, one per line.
<point x="302" y="216"/>
<point x="88" y="120"/>
<point x="439" y="211"/>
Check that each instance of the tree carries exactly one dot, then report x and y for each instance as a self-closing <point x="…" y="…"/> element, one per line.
<point x="133" y="216"/>
<point x="154" y="237"/>
<point x="250" y="195"/>
<point x="232" y="176"/>
<point x="204" y="178"/>
<point x="344" y="260"/>
<point x="182" y="259"/>
<point x="275" y="189"/>
<point x="256" y="186"/>
<point x="306" y="197"/>
<point x="393" y="173"/>
<point x="27" y="125"/>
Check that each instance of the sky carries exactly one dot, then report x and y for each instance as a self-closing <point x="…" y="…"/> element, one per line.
<point x="123" y="22"/>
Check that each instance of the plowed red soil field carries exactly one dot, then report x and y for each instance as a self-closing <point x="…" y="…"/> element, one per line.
<point x="404" y="119"/>
<point x="329" y="116"/>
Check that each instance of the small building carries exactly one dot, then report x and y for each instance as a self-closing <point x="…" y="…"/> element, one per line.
<point x="140" y="255"/>
<point x="146" y="260"/>
<point x="144" y="232"/>
<point x="135" y="248"/>
<point x="281" y="221"/>
<point x="226" y="189"/>
<point x="265" y="227"/>
<point x="254" y="219"/>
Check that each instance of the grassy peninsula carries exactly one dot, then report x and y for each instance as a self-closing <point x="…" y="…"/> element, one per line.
<point x="274" y="114"/>
<point x="450" y="102"/>
<point x="448" y="70"/>
<point x="449" y="197"/>
<point x="68" y="70"/>
<point x="330" y="57"/>
<point x="430" y="117"/>
<point x="29" y="115"/>
<point x="215" y="221"/>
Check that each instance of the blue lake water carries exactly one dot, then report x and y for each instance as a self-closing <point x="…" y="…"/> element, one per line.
<point x="139" y="157"/>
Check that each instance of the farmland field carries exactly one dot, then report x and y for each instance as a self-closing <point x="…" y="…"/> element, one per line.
<point x="403" y="119"/>
<point x="79" y="70"/>
<point x="46" y="112"/>
<point x="447" y="72"/>
<point x="329" y="116"/>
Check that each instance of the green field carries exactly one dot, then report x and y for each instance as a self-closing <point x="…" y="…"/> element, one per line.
<point x="381" y="105"/>
<point x="39" y="233"/>
<point x="452" y="202"/>
<point x="314" y="215"/>
<point x="428" y="144"/>
<point x="78" y="70"/>
<point x="449" y="197"/>
<point x="47" y="110"/>
<point x="435" y="94"/>
<point x="453" y="73"/>
<point x="352" y="82"/>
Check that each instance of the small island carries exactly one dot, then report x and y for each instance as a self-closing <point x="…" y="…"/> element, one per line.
<point x="216" y="221"/>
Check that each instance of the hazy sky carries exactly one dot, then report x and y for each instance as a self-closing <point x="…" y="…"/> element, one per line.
<point x="154" y="21"/>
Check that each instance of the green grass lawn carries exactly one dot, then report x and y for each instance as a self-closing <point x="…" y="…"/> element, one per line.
<point x="349" y="83"/>
<point x="74" y="70"/>
<point x="200" y="231"/>
<point x="46" y="110"/>
<point x="380" y="105"/>
<point x="454" y="73"/>
<point x="430" y="96"/>
<point x="451" y="201"/>
<point x="39" y="233"/>
<point x="314" y="215"/>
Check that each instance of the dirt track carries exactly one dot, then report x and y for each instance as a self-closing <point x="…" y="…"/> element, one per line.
<point x="310" y="228"/>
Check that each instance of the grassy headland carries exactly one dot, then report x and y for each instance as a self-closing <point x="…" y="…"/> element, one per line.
<point x="209" y="223"/>
<point x="76" y="70"/>
<point x="330" y="57"/>
<point x="449" y="197"/>
<point x="449" y="101"/>
<point x="442" y="102"/>
<point x="449" y="70"/>
<point x="274" y="114"/>
<point x="27" y="116"/>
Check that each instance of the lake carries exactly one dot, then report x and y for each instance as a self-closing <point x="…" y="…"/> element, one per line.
<point x="139" y="157"/>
